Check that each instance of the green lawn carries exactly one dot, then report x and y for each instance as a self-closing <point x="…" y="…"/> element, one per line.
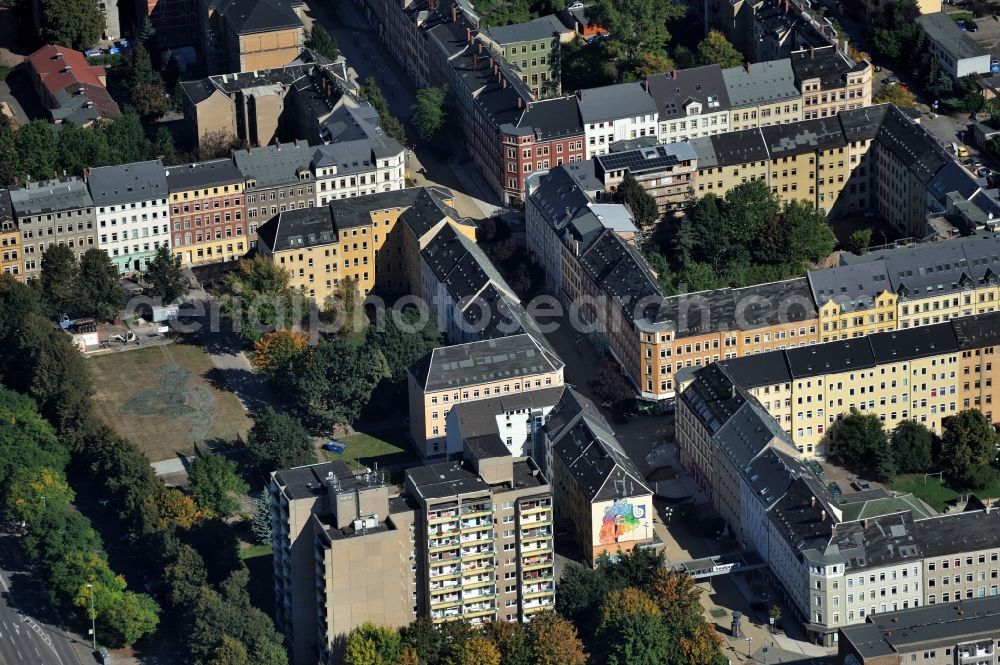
<point x="258" y="560"/>
<point x="935" y="493"/>
<point x="960" y="15"/>
<point x="254" y="551"/>
<point x="363" y="449"/>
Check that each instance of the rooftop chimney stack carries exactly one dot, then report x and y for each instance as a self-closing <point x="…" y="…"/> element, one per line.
<point x="454" y="13"/>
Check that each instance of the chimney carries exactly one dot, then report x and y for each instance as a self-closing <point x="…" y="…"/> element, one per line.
<point x="520" y="104"/>
<point x="812" y="502"/>
<point x="673" y="74"/>
<point x="454" y="13"/>
<point x="788" y="6"/>
<point x="475" y="61"/>
<point x="864" y="525"/>
<point x="430" y="5"/>
<point x="749" y="66"/>
<point x="480" y="47"/>
<point x="504" y="78"/>
<point x="468" y="35"/>
<point x="812" y="52"/>
<point x="822" y="516"/>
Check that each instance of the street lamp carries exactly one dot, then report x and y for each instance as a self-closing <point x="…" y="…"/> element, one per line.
<point x="749" y="640"/>
<point x="93" y="619"/>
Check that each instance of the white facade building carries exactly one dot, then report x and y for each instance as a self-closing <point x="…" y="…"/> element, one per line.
<point x="615" y="113"/>
<point x="357" y="168"/>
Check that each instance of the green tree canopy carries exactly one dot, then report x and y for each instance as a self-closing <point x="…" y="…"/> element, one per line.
<point x="858" y="437"/>
<point x="99" y="287"/>
<point x="258" y="298"/>
<point x="715" y="49"/>
<point x="402" y="340"/>
<point x="278" y="441"/>
<point x="643" y="206"/>
<point x="428" y="112"/>
<point x="164" y="277"/>
<point x="912" y="447"/>
<point x="968" y="449"/>
<point x="635" y="27"/>
<point x="322" y="42"/>
<point x="214" y="484"/>
<point x="68" y="23"/>
<point x="333" y="383"/>
<point x="895" y="94"/>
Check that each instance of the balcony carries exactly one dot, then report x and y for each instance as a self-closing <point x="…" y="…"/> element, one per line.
<point x="477" y="509"/>
<point x="482" y="550"/>
<point x="441" y="515"/>
<point x="534" y="590"/>
<point x="476" y="522"/>
<point x="537" y="603"/>
<point x="538" y="546"/>
<point x="479" y="592"/>
<point x="477" y="565"/>
<point x="443" y="584"/>
<point x="447" y="600"/>
<point x="441" y="530"/>
<point x="444" y="615"/>
<point x="441" y="543"/>
<point x="539" y="532"/>
<point x="443" y="571"/>
<point x="535" y="519"/>
<point x="536" y="561"/>
<point x="535" y="506"/>
<point x="477" y="537"/>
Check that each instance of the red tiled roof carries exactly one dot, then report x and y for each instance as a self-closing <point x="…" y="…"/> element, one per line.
<point x="59" y="67"/>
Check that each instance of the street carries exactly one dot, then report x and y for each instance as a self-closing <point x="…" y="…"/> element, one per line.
<point x="25" y="640"/>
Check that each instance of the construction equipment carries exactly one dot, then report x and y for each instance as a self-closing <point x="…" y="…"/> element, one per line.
<point x="128" y="338"/>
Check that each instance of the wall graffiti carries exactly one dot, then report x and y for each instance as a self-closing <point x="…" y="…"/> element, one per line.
<point x="620" y="518"/>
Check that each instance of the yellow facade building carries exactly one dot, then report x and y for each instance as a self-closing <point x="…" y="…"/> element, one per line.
<point x="11" y="256"/>
<point x="830" y="81"/>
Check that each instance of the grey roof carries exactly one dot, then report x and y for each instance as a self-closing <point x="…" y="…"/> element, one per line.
<point x="936" y="268"/>
<point x="705" y="150"/>
<point x="863" y="124"/>
<point x="560" y="196"/>
<point x="645" y="160"/>
<point x="955" y="533"/>
<point x="714" y="397"/>
<point x="673" y="91"/>
<point x="921" y="628"/>
<point x="543" y="27"/>
<point x="909" y="343"/>
<point x="877" y="541"/>
<point x="977" y="331"/>
<point x="758" y="369"/>
<point x="429" y="208"/>
<point x="128" y="183"/>
<point x="828" y="358"/>
<point x="952" y="178"/>
<point x="747" y="433"/>
<point x="760" y="83"/>
<point x="477" y="420"/>
<point x="587" y="447"/>
<point x="298" y="228"/>
<point x="355" y="156"/>
<point x="274" y="165"/>
<point x="801" y="516"/>
<point x="740" y="147"/>
<point x="250" y="16"/>
<point x="852" y="287"/>
<point x="500" y="359"/>
<point x="446" y="479"/>
<point x="47" y="196"/>
<point x="612" y="102"/>
<point x="197" y="175"/>
<point x="827" y="63"/>
<point x="303" y="482"/>
<point x="911" y="144"/>
<point x="549" y="118"/>
<point x="805" y="136"/>
<point x="770" y="475"/>
<point x="621" y="272"/>
<point x="941" y="29"/>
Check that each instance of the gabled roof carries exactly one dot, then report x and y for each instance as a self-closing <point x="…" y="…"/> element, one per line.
<point x="543" y="27"/>
<point x="47" y="196"/>
<point x="611" y="102"/>
<point x="760" y="83"/>
<point x="427" y="210"/>
<point x="827" y="63"/>
<point x="74" y="85"/>
<point x="128" y="183"/>
<point x="274" y="165"/>
<point x="252" y="16"/>
<point x="673" y="91"/>
<point x="620" y="271"/>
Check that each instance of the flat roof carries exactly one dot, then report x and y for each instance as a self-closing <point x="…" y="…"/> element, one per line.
<point x="198" y="175"/>
<point x="504" y="358"/>
<point x="945" y="32"/>
<point x="446" y="479"/>
<point x="128" y="183"/>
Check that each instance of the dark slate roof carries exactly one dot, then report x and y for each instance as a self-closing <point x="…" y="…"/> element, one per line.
<point x="250" y="16"/>
<point x="673" y="91"/>
<point x="199" y="175"/>
<point x="759" y="369"/>
<point x="6" y="209"/>
<point x="427" y="209"/>
<point x="274" y="165"/>
<point x="611" y="102"/>
<point x="297" y="229"/>
<point x="559" y="196"/>
<point x="620" y="272"/>
<point x="912" y="145"/>
<point x="594" y="458"/>
<point x="800" y="516"/>
<point x="853" y="287"/>
<point x="128" y="183"/>
<point x="654" y="158"/>
<point x="770" y="475"/>
<point x="952" y="177"/>
<point x="745" y="308"/>
<point x="760" y="83"/>
<point x="941" y="625"/>
<point x="496" y="313"/>
<point x="878" y="541"/>
<point x="747" y="433"/>
<point x="446" y="479"/>
<point x="828" y="63"/>
<point x="805" y="136"/>
<point x="501" y="103"/>
<point x="499" y="359"/>
<point x="958" y="532"/>
<point x="570" y="405"/>
<point x="909" y="343"/>
<point x="862" y="124"/>
<point x="550" y="119"/>
<point x="977" y="331"/>
<point x="543" y="27"/>
<point x="739" y="147"/>
<point x="839" y="356"/>
<point x="714" y="397"/>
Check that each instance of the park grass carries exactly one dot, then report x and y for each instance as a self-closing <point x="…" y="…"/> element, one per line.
<point x="121" y="375"/>
<point x="936" y="494"/>
<point x="391" y="452"/>
<point x="253" y="551"/>
<point x="259" y="562"/>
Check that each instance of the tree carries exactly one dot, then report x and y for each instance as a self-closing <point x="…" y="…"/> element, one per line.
<point x="885" y="462"/>
<point x="858" y="438"/>
<point x="213" y="482"/>
<point x="273" y="352"/>
<point x="372" y="645"/>
<point x="896" y="33"/>
<point x="80" y="148"/>
<point x="967" y="96"/>
<point x="99" y="288"/>
<point x="611" y="385"/>
<point x="912" y="444"/>
<point x="428" y="113"/>
<point x="643" y="206"/>
<point x="126" y="138"/>
<point x="60" y="273"/>
<point x="322" y="42"/>
<point x="164" y="277"/>
<point x="258" y="298"/>
<point x="899" y="95"/>
<point x="229" y="652"/>
<point x="28" y="443"/>
<point x="859" y="240"/>
<point x="805" y="235"/>
<point x="333" y="382"/>
<point x="634" y="27"/>
<point x="75" y="24"/>
<point x="423" y="638"/>
<point x="32" y="491"/>
<point x="479" y="651"/>
<point x="581" y="589"/>
<point x="150" y="101"/>
<point x="715" y="49"/>
<point x="278" y="441"/>
<point x="37" y="149"/>
<point x="554" y="641"/>
<point x="402" y="340"/>
<point x="260" y="522"/>
<point x="511" y="640"/>
<point x="133" y="616"/>
<point x="968" y="449"/>
<point x="631" y="630"/>
<point x="177" y="509"/>
<point x="648" y="64"/>
<point x="345" y="306"/>
<point x="371" y="93"/>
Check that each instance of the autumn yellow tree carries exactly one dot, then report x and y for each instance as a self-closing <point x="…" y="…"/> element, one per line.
<point x="32" y="491"/>
<point x="479" y="650"/>
<point x="273" y="351"/>
<point x="554" y="641"/>
<point x="701" y="645"/>
<point x="178" y="508"/>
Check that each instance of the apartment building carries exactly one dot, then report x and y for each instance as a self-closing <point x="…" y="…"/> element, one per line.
<point x="957" y="53"/>
<point x="666" y="172"/>
<point x="53" y="212"/>
<point x="276" y="178"/>
<point x="132" y="214"/>
<point x="356" y="238"/>
<point x="513" y="421"/>
<point x="619" y="112"/>
<point x="11" y="256"/>
<point x="248" y="35"/>
<point x="977" y="343"/>
<point x="549" y="133"/>
<point x="597" y="487"/>
<point x="487" y="554"/>
<point x="532" y="49"/>
<point x="69" y="87"/>
<point x="207" y="212"/>
<point x="368" y="164"/>
<point x="936" y="634"/>
<point x="762" y="94"/>
<point x="838" y="561"/>
<point x="831" y="81"/>
<point x="421" y="223"/>
<point x="344" y="554"/>
<point x="690" y="103"/>
<point x="853" y="300"/>
<point x="453" y="375"/>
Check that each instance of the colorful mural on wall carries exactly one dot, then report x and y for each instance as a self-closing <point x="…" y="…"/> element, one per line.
<point x="620" y="518"/>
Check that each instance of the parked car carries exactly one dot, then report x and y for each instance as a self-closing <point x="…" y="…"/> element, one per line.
<point x="861" y="485"/>
<point x="334" y="446"/>
<point x="983" y="172"/>
<point x="890" y="80"/>
<point x="971" y="26"/>
<point x="835" y="490"/>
